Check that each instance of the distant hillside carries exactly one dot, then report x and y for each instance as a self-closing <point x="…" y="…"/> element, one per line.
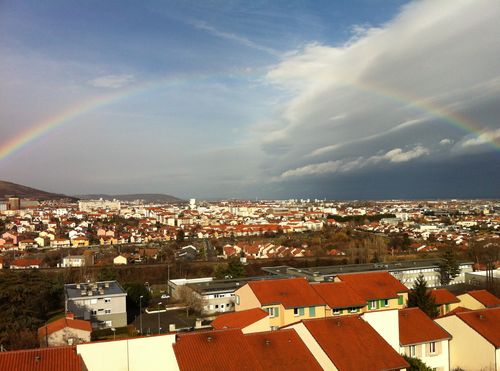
<point x="147" y="197"/>
<point x="13" y="189"/>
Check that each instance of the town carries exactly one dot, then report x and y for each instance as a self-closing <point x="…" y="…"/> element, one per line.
<point x="265" y="275"/>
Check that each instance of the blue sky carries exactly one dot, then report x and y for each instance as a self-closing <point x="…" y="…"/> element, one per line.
<point x="269" y="99"/>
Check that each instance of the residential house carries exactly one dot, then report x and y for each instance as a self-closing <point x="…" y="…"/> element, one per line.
<point x="348" y="343"/>
<point x="286" y="300"/>
<point x="475" y="343"/>
<point x="73" y="261"/>
<point x="379" y="289"/>
<point x="420" y="337"/>
<point x="59" y="358"/>
<point x="60" y="243"/>
<point x="65" y="331"/>
<point x="248" y="321"/>
<point x="26" y="244"/>
<point x="445" y="300"/>
<point x="120" y="260"/>
<point x="26" y="264"/>
<point x="79" y="241"/>
<point x="103" y="303"/>
<point x="340" y="298"/>
<point x="189" y="252"/>
<point x="478" y="299"/>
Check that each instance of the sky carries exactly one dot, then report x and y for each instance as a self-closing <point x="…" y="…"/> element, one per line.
<point x="361" y="99"/>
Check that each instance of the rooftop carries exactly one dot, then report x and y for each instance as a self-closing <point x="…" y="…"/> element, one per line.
<point x="43" y="359"/>
<point x="374" y="285"/>
<point x="486" y="298"/>
<point x="443" y="296"/>
<point x="486" y="322"/>
<point x="89" y="289"/>
<point x="240" y="319"/>
<point x="339" y="295"/>
<point x="352" y="344"/>
<point x="416" y="327"/>
<point x="290" y="292"/>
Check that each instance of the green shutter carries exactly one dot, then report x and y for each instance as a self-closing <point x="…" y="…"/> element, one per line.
<point x="377" y="304"/>
<point x="400" y="299"/>
<point x="312" y="311"/>
<point x="276" y="311"/>
<point x="301" y="311"/>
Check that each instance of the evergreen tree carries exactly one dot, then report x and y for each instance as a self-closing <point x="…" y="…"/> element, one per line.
<point x="416" y="364"/>
<point x="448" y="268"/>
<point x="421" y="297"/>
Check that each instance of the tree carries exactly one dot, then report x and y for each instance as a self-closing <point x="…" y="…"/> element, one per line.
<point x="416" y="364"/>
<point x="234" y="269"/>
<point x="191" y="299"/>
<point x="448" y="268"/>
<point x="422" y="298"/>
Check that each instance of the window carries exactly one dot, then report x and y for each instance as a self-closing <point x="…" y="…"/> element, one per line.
<point x="237" y="299"/>
<point x="400" y="300"/>
<point x="93" y="301"/>
<point x="413" y="350"/>
<point x="296" y="311"/>
<point x="384" y="302"/>
<point x="373" y="304"/>
<point x="337" y="311"/>
<point x="107" y="311"/>
<point x="353" y="310"/>
<point x="109" y="323"/>
<point x="273" y="312"/>
<point x="93" y="312"/>
<point x="432" y="347"/>
<point x="107" y="300"/>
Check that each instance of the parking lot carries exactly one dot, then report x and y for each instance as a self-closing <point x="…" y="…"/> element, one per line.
<point x="150" y="321"/>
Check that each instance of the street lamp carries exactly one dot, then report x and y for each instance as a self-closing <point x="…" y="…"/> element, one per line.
<point x="114" y="333"/>
<point x="140" y="311"/>
<point x="159" y="317"/>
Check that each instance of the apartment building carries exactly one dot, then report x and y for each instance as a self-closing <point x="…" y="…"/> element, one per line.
<point x="103" y="303"/>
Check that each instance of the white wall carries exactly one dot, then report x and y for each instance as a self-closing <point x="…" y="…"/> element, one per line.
<point x="386" y="323"/>
<point x="139" y="354"/>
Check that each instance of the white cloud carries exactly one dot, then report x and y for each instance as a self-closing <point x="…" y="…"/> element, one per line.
<point x="396" y="155"/>
<point x="445" y="142"/>
<point x="388" y="87"/>
<point x="483" y="138"/>
<point x="112" y="81"/>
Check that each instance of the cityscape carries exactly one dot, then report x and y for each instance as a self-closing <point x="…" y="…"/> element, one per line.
<point x="268" y="185"/>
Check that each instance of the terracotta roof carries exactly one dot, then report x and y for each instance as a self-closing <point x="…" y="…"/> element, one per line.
<point x="339" y="295"/>
<point x="486" y="322"/>
<point x="374" y="285"/>
<point x="352" y="344"/>
<point x="215" y="350"/>
<point x="486" y="298"/>
<point x="26" y="262"/>
<point x="455" y="311"/>
<point x="282" y="350"/>
<point x="44" y="359"/>
<point x="416" y="327"/>
<point x="63" y="323"/>
<point x="240" y="319"/>
<point x="443" y="296"/>
<point x="291" y="292"/>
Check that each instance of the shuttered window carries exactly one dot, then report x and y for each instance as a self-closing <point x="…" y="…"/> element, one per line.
<point x="312" y="311"/>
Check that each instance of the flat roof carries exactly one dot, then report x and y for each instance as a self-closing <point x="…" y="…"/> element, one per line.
<point x="93" y="289"/>
<point x="333" y="270"/>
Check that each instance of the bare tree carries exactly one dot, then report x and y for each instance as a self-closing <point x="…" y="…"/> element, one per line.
<point x="191" y="299"/>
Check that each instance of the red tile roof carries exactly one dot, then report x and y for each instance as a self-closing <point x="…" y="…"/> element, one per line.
<point x="374" y="285"/>
<point x="339" y="295"/>
<point x="455" y="311"/>
<point x="44" y="359"/>
<point x="215" y="350"/>
<point x="282" y="350"/>
<point x="240" y="319"/>
<point x="63" y="323"/>
<point x="26" y="262"/>
<point x="443" y="296"/>
<point x="291" y="292"/>
<point x="486" y="298"/>
<point x="486" y="322"/>
<point x="416" y="327"/>
<point x="352" y="344"/>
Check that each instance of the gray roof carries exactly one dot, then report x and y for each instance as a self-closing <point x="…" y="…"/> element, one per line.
<point x="93" y="289"/>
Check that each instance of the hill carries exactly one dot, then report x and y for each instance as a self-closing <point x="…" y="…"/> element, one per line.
<point x="13" y="189"/>
<point x="146" y="197"/>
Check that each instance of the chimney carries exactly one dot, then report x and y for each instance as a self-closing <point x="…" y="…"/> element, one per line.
<point x="268" y="342"/>
<point x="209" y="339"/>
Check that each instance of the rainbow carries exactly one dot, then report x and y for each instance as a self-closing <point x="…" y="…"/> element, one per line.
<point x="44" y="127"/>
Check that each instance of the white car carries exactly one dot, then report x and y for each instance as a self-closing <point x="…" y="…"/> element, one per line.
<point x="165" y="296"/>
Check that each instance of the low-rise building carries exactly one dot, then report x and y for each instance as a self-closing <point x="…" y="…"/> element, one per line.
<point x="65" y="331"/>
<point x="103" y="303"/>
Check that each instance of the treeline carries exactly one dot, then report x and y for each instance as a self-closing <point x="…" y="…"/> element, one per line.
<point x="359" y="218"/>
<point x="27" y="300"/>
